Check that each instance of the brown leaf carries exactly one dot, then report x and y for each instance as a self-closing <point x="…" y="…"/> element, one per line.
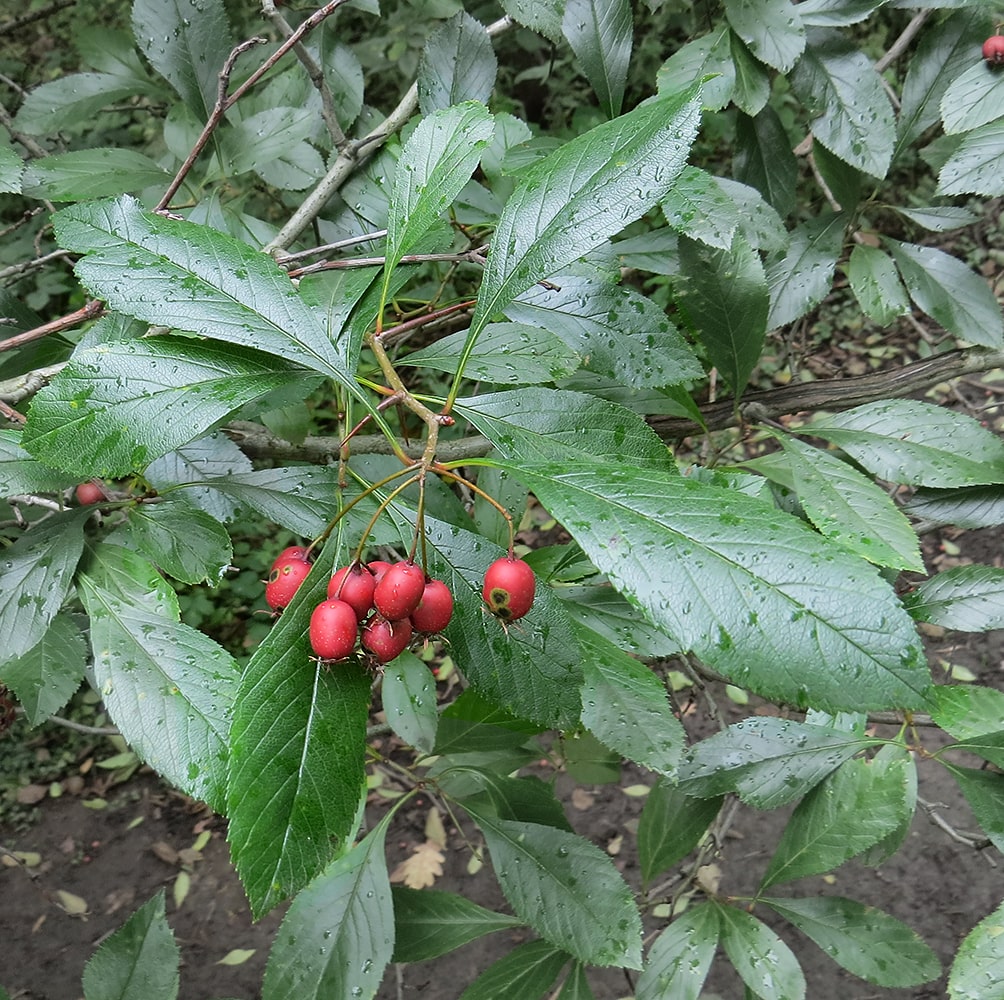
<point x="165" y="852"/>
<point x="422" y="868"/>
<point x="30" y="794"/>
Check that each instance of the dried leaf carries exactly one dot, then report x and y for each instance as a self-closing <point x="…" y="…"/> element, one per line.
<point x="181" y="886"/>
<point x="30" y="794"/>
<point x="581" y="799"/>
<point x="422" y="868"/>
<point x="238" y="956"/>
<point x="165" y="852"/>
<point x="434" y="830"/>
<point x="75" y="905"/>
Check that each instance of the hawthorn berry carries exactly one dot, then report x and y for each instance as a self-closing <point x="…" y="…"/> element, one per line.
<point x="378" y="568"/>
<point x="291" y="552"/>
<point x="509" y="587"/>
<point x="353" y="584"/>
<point x="435" y="609"/>
<point x="386" y="639"/>
<point x="90" y="493"/>
<point x="993" y="50"/>
<point x="284" y="581"/>
<point x="399" y="590"/>
<point x="334" y="629"/>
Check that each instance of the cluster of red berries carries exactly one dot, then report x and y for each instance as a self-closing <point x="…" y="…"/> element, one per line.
<point x="380" y="606"/>
<point x="993" y="50"/>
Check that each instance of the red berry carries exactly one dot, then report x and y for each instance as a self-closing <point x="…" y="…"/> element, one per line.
<point x="386" y="639"/>
<point x="435" y="609"/>
<point x="292" y="552"/>
<point x="399" y="591"/>
<point x="993" y="50"/>
<point x="379" y="569"/>
<point x="509" y="587"/>
<point x="90" y="492"/>
<point x="284" y="581"/>
<point x="334" y="629"/>
<point x="353" y="584"/>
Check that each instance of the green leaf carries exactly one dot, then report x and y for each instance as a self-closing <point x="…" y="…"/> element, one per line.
<point x="44" y="678"/>
<point x="192" y="278"/>
<point x="978" y="969"/>
<point x="966" y="507"/>
<point x="771" y="29"/>
<point x="36" y="577"/>
<point x="527" y="972"/>
<point x="706" y="60"/>
<point x="409" y="700"/>
<point x="724" y="295"/>
<point x="672" y="824"/>
<point x="839" y="86"/>
<point x="599" y="32"/>
<point x="615" y="330"/>
<point x="984" y="791"/>
<point x="854" y="807"/>
<point x="272" y="143"/>
<point x="801" y="278"/>
<point x="939" y="218"/>
<point x="863" y="940"/>
<point x="958" y="298"/>
<point x="964" y="598"/>
<point x="752" y="83"/>
<point x="74" y="100"/>
<point x="20" y="473"/>
<point x="989" y="746"/>
<point x="764" y="160"/>
<point x="506" y="353"/>
<point x="187" y="42"/>
<point x="760" y="576"/>
<point x="624" y="705"/>
<point x="588" y="762"/>
<point x="836" y="13"/>
<point x="972" y="99"/>
<point x="429" y="923"/>
<point x="680" y="957"/>
<point x="972" y="168"/>
<point x="909" y="441"/>
<point x="850" y="509"/>
<point x="966" y="710"/>
<point x="543" y="16"/>
<point x="185" y="542"/>
<point x="566" y="888"/>
<point x="297" y="759"/>
<point x="338" y="934"/>
<point x="91" y="173"/>
<point x="583" y="193"/>
<point x="12" y="169"/>
<point x="576" y="985"/>
<point x="876" y="285"/>
<point x="183" y="680"/>
<point x="766" y="762"/>
<point x="132" y="578"/>
<point x="458" y="64"/>
<point x="138" y="962"/>
<point x="900" y="757"/>
<point x="764" y="962"/>
<point x="604" y="611"/>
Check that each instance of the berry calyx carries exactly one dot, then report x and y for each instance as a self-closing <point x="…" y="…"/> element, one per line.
<point x="508" y="589"/>
<point x="284" y="581"/>
<point x="399" y="590"/>
<point x="90" y="493"/>
<point x="435" y="609"/>
<point x="386" y="639"/>
<point x="353" y="584"/>
<point x="993" y="50"/>
<point x="333" y="629"/>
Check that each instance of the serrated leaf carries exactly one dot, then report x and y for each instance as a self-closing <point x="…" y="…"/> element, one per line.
<point x="615" y="330"/>
<point x="576" y="985"/>
<point x="75" y="99"/>
<point x="849" y="508"/>
<point x="771" y="30"/>
<point x="724" y="295"/>
<point x="187" y="42"/>
<point x="863" y="940"/>
<point x="583" y="193"/>
<point x="876" y="285"/>
<point x="851" y="809"/>
<point x="672" y="824"/>
<point x="707" y="60"/>
<point x="839" y="86"/>
<point x="297" y="758"/>
<point x="899" y="756"/>
<point x="989" y="746"/>
<point x="966" y="710"/>
<point x="966" y="507"/>
<point x="44" y="678"/>
<point x="972" y="168"/>
<point x="763" y="159"/>
<point x="543" y="16"/>
<point x="566" y="888"/>
<point x="802" y="278"/>
<point x="138" y="962"/>
<point x="505" y="354"/>
<point x="91" y="173"/>
<point x="132" y="578"/>
<point x="528" y="971"/>
<point x="599" y="32"/>
<point x="187" y="543"/>
<point x="604" y="611"/>
<point x="12" y="169"/>
<point x="272" y="143"/>
<point x="752" y="83"/>
<point x="766" y="762"/>
<point x="700" y="208"/>
<point x="978" y="969"/>
<point x="836" y="13"/>
<point x="36" y="577"/>
<point x="965" y="598"/>
<point x="909" y="441"/>
<point x="192" y="278"/>
<point x="728" y="576"/>
<point x="764" y="962"/>
<point x="21" y="473"/>
<point x="984" y="791"/>
<point x="409" y="700"/>
<point x="943" y="287"/>
<point x="972" y="99"/>
<point x="338" y="934"/>
<point x="680" y="957"/>
<point x="625" y="706"/>
<point x="939" y="218"/>
<point x="458" y="64"/>
<point x="169" y="689"/>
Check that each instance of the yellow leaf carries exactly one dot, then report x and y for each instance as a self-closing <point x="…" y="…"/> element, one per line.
<point x="422" y="868"/>
<point x="75" y="905"/>
<point x="434" y="829"/>
<point x="181" y="886"/>
<point x="236" y="957"/>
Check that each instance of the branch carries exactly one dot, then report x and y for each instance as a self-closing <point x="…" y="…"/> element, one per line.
<point x="91" y="310"/>
<point x="21" y="20"/>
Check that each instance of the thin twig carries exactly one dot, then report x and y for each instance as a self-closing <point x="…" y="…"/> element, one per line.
<point x="91" y="310"/>
<point x="285" y="258"/>
<point x="902" y="43"/>
<point x="466" y="256"/>
<point x="33" y="265"/>
<point x="26" y="140"/>
<point x="21" y="20"/>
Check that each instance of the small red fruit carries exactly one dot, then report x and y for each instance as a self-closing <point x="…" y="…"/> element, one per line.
<point x="435" y="609"/>
<point x="509" y="588"/>
<point x="993" y="50"/>
<point x="334" y="629"/>
<point x="379" y="569"/>
<point x="386" y="639"/>
<point x="284" y="581"/>
<point x="291" y="552"/>
<point x="90" y="492"/>
<point x="399" y="590"/>
<point x="353" y="584"/>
